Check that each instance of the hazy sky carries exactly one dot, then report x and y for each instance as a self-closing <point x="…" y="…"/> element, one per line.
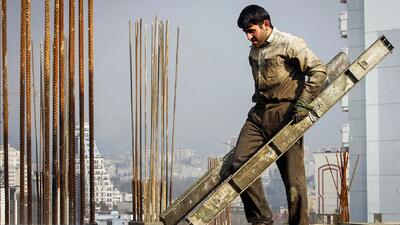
<point x="215" y="86"/>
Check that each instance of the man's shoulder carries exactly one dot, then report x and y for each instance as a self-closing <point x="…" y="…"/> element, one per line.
<point x="287" y="37"/>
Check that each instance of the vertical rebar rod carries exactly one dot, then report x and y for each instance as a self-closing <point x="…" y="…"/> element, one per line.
<point x="71" y="117"/>
<point x="5" y="110"/>
<point x="137" y="193"/>
<point x="82" y="162"/>
<point x="162" y="115"/>
<point x="41" y="134"/>
<point x="136" y="126"/>
<point x="153" y="121"/>
<point x="41" y="127"/>
<point x="46" y="155"/>
<point x="174" y="116"/>
<point x="22" y="113"/>
<point x="157" y="120"/>
<point x="344" y="209"/>
<point x="140" y="123"/>
<point x="163" y="120"/>
<point x="132" y="120"/>
<point x="152" y="193"/>
<point x="62" y="117"/>
<point x="91" y="110"/>
<point x="37" y="143"/>
<point x="146" y="189"/>
<point x="55" y="167"/>
<point x="28" y="108"/>
<point x="166" y="114"/>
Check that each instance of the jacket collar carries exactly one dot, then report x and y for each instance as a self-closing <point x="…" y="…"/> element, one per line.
<point x="270" y="39"/>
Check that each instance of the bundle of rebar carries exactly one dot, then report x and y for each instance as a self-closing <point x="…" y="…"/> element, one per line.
<point x="342" y="189"/>
<point x="52" y="182"/>
<point x="151" y="165"/>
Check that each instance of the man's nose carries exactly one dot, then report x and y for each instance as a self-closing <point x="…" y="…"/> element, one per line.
<point x="249" y="36"/>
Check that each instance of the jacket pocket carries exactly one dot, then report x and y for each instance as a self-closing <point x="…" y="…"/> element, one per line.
<point x="273" y="68"/>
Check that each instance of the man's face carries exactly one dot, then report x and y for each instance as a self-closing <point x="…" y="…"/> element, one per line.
<point x="257" y="34"/>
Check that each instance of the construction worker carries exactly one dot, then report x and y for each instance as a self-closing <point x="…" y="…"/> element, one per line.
<point x="287" y="77"/>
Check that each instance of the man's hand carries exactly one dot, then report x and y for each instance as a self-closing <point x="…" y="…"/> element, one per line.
<point x="301" y="110"/>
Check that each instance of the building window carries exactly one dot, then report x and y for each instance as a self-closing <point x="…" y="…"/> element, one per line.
<point x="343" y="24"/>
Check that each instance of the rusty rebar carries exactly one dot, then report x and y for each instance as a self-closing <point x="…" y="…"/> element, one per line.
<point x="28" y="107"/>
<point x="22" y="113"/>
<point x="82" y="163"/>
<point x="5" y="110"/>
<point x="91" y="110"/>
<point x="344" y="201"/>
<point x="71" y="117"/>
<point x="46" y="155"/>
<point x="174" y="116"/>
<point x="62" y="117"/>
<point x="55" y="99"/>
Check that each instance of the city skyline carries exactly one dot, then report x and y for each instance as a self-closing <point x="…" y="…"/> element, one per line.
<point x="213" y="51"/>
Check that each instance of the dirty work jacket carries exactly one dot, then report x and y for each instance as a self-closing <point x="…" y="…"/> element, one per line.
<point x="285" y="69"/>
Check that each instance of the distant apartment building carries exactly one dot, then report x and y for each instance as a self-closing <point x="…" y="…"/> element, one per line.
<point x="105" y="193"/>
<point x="14" y="183"/>
<point x="13" y="205"/>
<point x="13" y="167"/>
<point x="182" y="154"/>
<point x="373" y="107"/>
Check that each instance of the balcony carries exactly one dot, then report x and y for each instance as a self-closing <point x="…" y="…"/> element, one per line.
<point x="343" y="24"/>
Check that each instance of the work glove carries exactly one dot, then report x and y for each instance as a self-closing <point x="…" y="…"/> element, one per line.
<point x="301" y="110"/>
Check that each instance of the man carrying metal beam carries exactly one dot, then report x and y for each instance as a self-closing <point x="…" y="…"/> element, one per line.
<point x="288" y="76"/>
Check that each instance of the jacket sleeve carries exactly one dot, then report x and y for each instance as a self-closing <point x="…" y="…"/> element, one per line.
<point x="310" y="66"/>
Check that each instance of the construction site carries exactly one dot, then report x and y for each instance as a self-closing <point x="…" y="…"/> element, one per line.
<point x="116" y="112"/>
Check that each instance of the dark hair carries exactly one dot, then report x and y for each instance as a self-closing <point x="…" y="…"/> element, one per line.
<point x="253" y="15"/>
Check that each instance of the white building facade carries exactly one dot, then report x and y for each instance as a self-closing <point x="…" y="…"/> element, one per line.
<point x="104" y="191"/>
<point x="374" y="106"/>
<point x="13" y="166"/>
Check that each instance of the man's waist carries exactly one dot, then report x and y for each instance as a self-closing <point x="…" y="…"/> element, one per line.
<point x="274" y="101"/>
<point x="260" y="99"/>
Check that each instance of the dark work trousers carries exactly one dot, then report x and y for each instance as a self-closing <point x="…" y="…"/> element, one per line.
<point x="262" y="123"/>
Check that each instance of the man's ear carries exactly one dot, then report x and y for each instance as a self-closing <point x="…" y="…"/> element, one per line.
<point x="266" y="24"/>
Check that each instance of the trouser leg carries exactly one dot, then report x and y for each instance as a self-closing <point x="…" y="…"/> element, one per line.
<point x="251" y="139"/>
<point x="291" y="167"/>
